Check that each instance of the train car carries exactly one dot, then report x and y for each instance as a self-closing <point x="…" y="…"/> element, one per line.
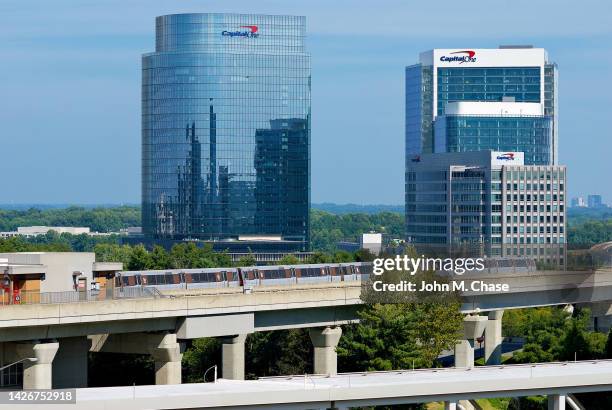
<point x="366" y="269"/>
<point x="312" y="273"/>
<point x="211" y="278"/>
<point x="249" y="277"/>
<point x="180" y="278"/>
<point x="267" y="275"/>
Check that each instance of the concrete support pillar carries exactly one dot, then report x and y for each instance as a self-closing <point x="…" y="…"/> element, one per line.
<point x="450" y="405"/>
<point x="464" y="353"/>
<point x="325" y="341"/>
<point x="473" y="326"/>
<point x="466" y="405"/>
<point x="37" y="374"/>
<point x="167" y="356"/>
<point x="232" y="352"/>
<point x="556" y="402"/>
<point x="70" y="364"/>
<point x="601" y="316"/>
<point x="493" y="338"/>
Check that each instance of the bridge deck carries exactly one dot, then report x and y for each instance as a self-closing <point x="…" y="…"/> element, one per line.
<point x="358" y="389"/>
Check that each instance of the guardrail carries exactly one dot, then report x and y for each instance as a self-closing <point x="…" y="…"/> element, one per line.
<point x="75" y="296"/>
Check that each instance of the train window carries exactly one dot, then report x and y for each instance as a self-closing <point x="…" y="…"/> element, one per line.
<point x="270" y="274"/>
<point x="143" y="280"/>
<point x="188" y="278"/>
<point x="312" y="272"/>
<point x="176" y="278"/>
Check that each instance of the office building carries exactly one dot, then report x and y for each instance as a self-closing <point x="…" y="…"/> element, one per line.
<point x="226" y="132"/>
<point x="502" y="99"/>
<point x="594" y="201"/>
<point x="486" y="202"/>
<point x="578" y="202"/>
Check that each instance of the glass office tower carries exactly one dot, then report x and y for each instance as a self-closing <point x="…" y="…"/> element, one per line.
<point x="226" y="129"/>
<point x="461" y="103"/>
<point x="513" y="75"/>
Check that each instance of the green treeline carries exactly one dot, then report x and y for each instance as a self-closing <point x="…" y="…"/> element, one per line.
<point x="190" y="256"/>
<point x="585" y="227"/>
<point x="102" y="219"/>
<point x="555" y="334"/>
<point x="590" y="232"/>
<point x="137" y="257"/>
<point x="327" y="229"/>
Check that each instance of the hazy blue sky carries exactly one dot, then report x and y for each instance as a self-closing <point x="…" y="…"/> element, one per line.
<point x="70" y="88"/>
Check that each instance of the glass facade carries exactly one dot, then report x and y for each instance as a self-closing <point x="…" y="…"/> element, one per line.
<point x="487" y="84"/>
<point x="531" y="135"/>
<point x="419" y="110"/>
<point x="484" y="208"/>
<point x="226" y="128"/>
<point x="429" y="88"/>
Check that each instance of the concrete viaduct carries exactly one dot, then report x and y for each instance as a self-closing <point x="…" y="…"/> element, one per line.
<point x="60" y="335"/>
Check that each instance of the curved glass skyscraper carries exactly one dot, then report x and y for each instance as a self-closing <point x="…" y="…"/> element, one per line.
<point x="226" y="128"/>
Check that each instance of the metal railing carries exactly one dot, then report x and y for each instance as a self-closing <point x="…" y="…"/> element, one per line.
<point x="75" y="296"/>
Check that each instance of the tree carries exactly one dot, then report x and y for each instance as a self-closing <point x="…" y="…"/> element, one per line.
<point x="400" y="330"/>
<point x="364" y="255"/>
<point x="289" y="260"/>
<point x="113" y="253"/>
<point x="277" y="353"/>
<point x="199" y="357"/>
<point x="248" y="260"/>
<point x="319" y="257"/>
<point x="575" y="340"/>
<point x="139" y="259"/>
<point x="399" y="336"/>
<point x="609" y="345"/>
<point x="159" y="258"/>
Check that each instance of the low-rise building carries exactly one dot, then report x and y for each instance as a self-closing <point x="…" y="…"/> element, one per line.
<point x="29" y="274"/>
<point x="33" y="231"/>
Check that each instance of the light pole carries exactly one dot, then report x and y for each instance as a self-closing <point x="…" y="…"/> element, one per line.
<point x="30" y="359"/>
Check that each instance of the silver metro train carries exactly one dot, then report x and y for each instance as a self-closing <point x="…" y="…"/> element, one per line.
<point x="250" y="276"/>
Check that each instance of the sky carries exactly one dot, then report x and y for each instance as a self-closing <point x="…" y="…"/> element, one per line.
<point x="70" y="88"/>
